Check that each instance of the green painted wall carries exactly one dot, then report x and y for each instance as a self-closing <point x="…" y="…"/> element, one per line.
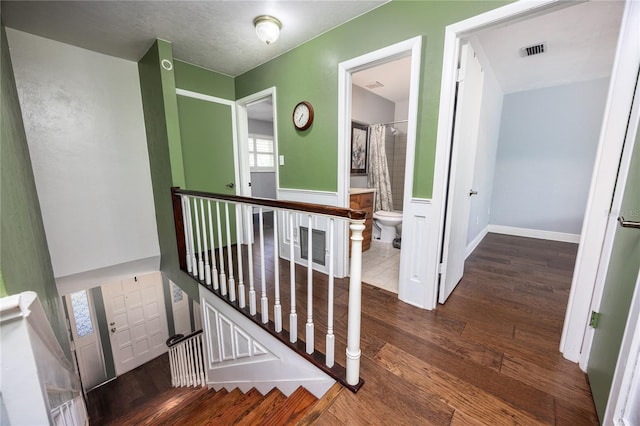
<point x="157" y="85"/>
<point x="24" y="255"/>
<point x="201" y="80"/>
<point x="310" y="72"/>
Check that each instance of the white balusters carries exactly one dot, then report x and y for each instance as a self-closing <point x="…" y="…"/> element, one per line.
<point x="187" y="230"/>
<point x="214" y="269"/>
<point x="239" y="227"/>
<point x="310" y="335"/>
<point x="204" y="230"/>
<point x="200" y="261"/>
<point x="293" y="316"/>
<point x="264" y="302"/>
<point x="277" y="308"/>
<point x="186" y="362"/>
<point x="330" y="342"/>
<point x="207" y="266"/>
<point x="252" y="289"/>
<point x="355" y="296"/>
<point x="231" y="281"/>
<point x="223" y="278"/>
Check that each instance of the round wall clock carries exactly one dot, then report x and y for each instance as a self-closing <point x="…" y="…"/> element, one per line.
<point x="303" y="115"/>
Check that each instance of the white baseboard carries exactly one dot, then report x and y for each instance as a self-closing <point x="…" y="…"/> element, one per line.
<point x="476" y="241"/>
<point x="535" y="233"/>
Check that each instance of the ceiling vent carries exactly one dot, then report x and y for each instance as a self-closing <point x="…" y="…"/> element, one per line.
<point x="374" y="85"/>
<point x="535" y="49"/>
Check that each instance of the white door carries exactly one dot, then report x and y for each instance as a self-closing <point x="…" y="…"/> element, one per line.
<point x="180" y="305"/>
<point x="465" y="136"/>
<point x="137" y="320"/>
<point x="86" y="340"/>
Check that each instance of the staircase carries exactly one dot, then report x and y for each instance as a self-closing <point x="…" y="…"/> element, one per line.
<point x="186" y="406"/>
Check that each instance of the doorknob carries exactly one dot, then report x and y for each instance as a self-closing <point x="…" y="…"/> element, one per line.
<point x="628" y="223"/>
<point x="113" y="330"/>
<point x="231" y="185"/>
<point x="472" y="192"/>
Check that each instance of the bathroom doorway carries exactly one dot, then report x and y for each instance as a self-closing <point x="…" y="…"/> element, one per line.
<point x="378" y="105"/>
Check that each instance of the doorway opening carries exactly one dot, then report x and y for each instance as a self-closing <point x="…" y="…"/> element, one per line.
<point x="377" y="120"/>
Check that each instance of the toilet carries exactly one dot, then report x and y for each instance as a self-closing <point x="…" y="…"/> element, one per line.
<point x="387" y="223"/>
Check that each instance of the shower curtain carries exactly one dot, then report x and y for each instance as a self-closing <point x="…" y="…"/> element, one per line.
<point x="378" y="176"/>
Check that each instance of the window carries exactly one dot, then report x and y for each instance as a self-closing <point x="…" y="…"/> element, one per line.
<point x="261" y="155"/>
<point x="81" y="313"/>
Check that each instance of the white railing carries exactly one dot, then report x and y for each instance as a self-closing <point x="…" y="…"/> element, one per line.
<point x="70" y="413"/>
<point x="186" y="361"/>
<point x="203" y="225"/>
<point x="39" y="383"/>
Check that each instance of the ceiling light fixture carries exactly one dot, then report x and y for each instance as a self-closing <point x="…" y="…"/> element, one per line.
<point x="267" y="28"/>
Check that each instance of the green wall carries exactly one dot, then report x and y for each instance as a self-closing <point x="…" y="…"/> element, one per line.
<point x="160" y="108"/>
<point x="24" y="255"/>
<point x="201" y="80"/>
<point x="310" y="72"/>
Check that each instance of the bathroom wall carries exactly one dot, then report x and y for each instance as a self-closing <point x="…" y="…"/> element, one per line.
<point x="369" y="108"/>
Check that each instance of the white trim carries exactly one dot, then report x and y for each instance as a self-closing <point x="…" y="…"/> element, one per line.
<point x="476" y="241"/>
<point x="412" y="47"/>
<point x="535" y="233"/>
<point x="587" y="284"/>
<point x="234" y="132"/>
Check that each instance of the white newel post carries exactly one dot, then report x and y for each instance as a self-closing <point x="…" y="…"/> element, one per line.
<point x="355" y="299"/>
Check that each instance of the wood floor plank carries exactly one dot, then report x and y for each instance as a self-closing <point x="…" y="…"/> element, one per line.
<point x="292" y="409"/>
<point x="321" y="405"/>
<point x="456" y="393"/>
<point x="267" y="405"/>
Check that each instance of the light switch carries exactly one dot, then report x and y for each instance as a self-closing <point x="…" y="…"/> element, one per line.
<point x="282" y="160"/>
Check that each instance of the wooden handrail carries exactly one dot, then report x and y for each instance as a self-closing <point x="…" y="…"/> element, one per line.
<point x="172" y="342"/>
<point x="279" y="204"/>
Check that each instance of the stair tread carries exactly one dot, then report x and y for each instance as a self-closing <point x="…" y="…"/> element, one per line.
<point x="207" y="413"/>
<point x="240" y="409"/>
<point x="291" y="410"/>
<point x="270" y="403"/>
<point x="210" y="400"/>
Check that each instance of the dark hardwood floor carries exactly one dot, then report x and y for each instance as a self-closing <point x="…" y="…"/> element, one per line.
<point x="488" y="356"/>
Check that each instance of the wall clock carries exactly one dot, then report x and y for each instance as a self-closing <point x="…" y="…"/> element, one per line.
<point x="303" y="115"/>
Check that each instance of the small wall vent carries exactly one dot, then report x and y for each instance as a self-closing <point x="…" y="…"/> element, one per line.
<point x="535" y="49"/>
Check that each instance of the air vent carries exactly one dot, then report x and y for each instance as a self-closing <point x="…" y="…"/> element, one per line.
<point x="374" y="85"/>
<point x="535" y="49"/>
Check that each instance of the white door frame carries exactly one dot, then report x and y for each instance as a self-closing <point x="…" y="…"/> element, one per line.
<point x="242" y="127"/>
<point x="605" y="169"/>
<point x="412" y="47"/>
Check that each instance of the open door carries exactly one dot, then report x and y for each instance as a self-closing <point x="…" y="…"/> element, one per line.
<point x="622" y="275"/>
<point x="465" y="135"/>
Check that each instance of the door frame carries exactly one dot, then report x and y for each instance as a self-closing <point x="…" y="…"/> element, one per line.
<point x="605" y="169"/>
<point x="242" y="159"/>
<point x="413" y="48"/>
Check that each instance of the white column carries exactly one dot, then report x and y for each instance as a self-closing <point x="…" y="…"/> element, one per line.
<point x="185" y="222"/>
<point x="239" y="227"/>
<point x="355" y="301"/>
<point x="264" y="303"/>
<point x="207" y="266"/>
<point x="223" y="278"/>
<point x="212" y="243"/>
<point x="293" y="316"/>
<point x="200" y="274"/>
<point x="330" y="341"/>
<point x="310" y="333"/>
<point x="277" y="308"/>
<point x="252" y="289"/>
<point x="232" y="281"/>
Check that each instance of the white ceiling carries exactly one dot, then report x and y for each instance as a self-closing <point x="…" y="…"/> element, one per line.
<point x="580" y="45"/>
<point x="218" y="35"/>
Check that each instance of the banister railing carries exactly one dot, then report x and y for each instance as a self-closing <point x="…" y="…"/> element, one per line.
<point x="186" y="361"/>
<point x="222" y="260"/>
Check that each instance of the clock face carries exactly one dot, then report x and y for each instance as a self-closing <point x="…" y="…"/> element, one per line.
<point x="303" y="115"/>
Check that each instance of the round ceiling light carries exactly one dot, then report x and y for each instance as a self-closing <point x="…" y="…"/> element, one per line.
<point x="267" y="28"/>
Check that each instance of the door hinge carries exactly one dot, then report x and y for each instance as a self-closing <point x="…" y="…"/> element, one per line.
<point x="459" y="75"/>
<point x="440" y="268"/>
<point x="595" y="317"/>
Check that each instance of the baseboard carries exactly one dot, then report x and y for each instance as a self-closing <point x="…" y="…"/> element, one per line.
<point x="535" y="233"/>
<point x="476" y="241"/>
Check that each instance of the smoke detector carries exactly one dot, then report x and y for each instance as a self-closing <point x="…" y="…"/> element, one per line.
<point x="534" y="49"/>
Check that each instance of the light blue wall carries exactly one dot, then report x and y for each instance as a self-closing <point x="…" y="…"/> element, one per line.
<point x="546" y="150"/>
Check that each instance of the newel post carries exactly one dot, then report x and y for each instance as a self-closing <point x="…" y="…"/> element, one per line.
<point x="179" y="225"/>
<point x="355" y="299"/>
